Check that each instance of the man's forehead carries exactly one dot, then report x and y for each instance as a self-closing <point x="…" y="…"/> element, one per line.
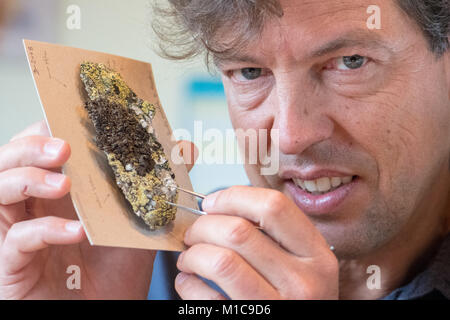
<point x="313" y="9"/>
<point x="314" y="28"/>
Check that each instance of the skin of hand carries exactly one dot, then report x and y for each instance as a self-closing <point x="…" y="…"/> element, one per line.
<point x="40" y="236"/>
<point x="226" y="247"/>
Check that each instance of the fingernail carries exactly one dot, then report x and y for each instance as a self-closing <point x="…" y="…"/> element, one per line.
<point x="181" y="277"/>
<point x="73" y="226"/>
<point x="53" y="147"/>
<point x="209" y="201"/>
<point x="180" y="258"/>
<point x="55" y="180"/>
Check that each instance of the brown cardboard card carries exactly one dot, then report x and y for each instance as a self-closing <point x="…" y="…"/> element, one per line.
<point x="106" y="215"/>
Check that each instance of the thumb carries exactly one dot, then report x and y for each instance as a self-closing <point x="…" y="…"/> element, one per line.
<point x="36" y="129"/>
<point x="189" y="152"/>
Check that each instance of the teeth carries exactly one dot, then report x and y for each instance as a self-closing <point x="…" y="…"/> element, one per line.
<point x="346" y="180"/>
<point x="322" y="185"/>
<point x="336" y="182"/>
<point x="301" y="183"/>
<point x="310" y="185"/>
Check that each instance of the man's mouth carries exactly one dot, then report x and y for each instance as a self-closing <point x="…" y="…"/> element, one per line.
<point x="322" y="185"/>
<point x="320" y="193"/>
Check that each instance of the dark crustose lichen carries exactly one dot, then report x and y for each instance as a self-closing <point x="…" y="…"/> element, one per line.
<point x="123" y="125"/>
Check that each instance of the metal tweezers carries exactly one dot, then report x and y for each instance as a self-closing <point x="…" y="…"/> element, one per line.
<point x="196" y="194"/>
<point x="195" y="211"/>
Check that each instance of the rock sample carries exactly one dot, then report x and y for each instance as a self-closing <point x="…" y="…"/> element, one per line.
<point x="123" y="125"/>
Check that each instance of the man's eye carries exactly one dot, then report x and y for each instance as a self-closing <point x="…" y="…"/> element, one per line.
<point x="246" y="74"/>
<point x="351" y="62"/>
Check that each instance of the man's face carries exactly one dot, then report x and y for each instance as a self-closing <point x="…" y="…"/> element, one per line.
<point x="363" y="115"/>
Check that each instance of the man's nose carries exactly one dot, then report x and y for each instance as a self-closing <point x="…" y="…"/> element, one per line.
<point x="302" y="119"/>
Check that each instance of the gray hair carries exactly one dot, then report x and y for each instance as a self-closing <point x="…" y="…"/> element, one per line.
<point x="187" y="28"/>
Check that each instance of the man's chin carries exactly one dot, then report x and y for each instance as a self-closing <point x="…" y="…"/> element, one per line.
<point x="357" y="237"/>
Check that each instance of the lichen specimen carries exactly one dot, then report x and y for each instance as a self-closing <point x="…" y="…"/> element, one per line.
<point x="123" y="125"/>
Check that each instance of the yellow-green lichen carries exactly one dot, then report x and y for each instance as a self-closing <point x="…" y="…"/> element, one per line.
<point x="144" y="193"/>
<point x="105" y="83"/>
<point x="137" y="196"/>
<point x="148" y="108"/>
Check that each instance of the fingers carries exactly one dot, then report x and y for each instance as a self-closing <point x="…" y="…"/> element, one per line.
<point x="191" y="287"/>
<point x="21" y="183"/>
<point x="25" y="238"/>
<point x="11" y="214"/>
<point x="241" y="236"/>
<point x="228" y="270"/>
<point x="37" y="129"/>
<point x="34" y="151"/>
<point x="189" y="152"/>
<point x="274" y="212"/>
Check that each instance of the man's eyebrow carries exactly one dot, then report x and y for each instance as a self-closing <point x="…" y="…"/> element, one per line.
<point x="219" y="62"/>
<point x="348" y="40"/>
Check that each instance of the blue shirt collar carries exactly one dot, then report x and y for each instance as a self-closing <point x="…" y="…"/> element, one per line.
<point x="435" y="279"/>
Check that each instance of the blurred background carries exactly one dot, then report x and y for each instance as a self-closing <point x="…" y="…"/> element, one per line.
<point x="187" y="91"/>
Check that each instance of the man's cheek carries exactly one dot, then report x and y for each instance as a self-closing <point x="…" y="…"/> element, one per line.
<point x="257" y="118"/>
<point x="368" y="127"/>
<point x="392" y="137"/>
